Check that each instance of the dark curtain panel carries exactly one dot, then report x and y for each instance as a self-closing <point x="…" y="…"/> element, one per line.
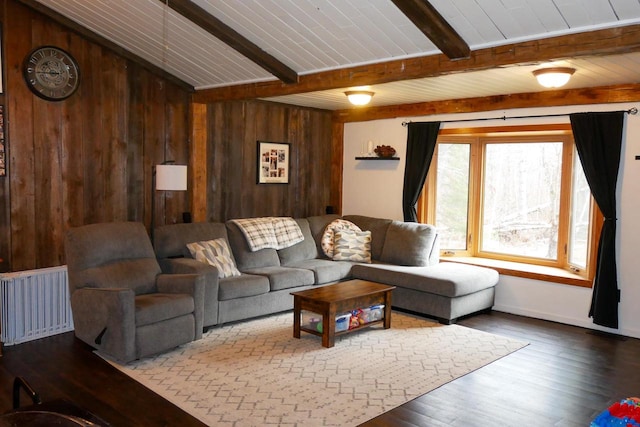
<point x="598" y="138"/>
<point x="421" y="143"/>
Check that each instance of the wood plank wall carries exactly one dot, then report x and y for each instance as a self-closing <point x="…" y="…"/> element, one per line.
<point x="90" y="158"/>
<point x="233" y="129"/>
<point x="4" y="181"/>
<point x="86" y="159"/>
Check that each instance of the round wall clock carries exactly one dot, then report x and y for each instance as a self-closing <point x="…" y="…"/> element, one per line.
<point x="51" y="73"/>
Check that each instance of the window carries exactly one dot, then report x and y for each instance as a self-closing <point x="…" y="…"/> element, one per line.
<point x="513" y="194"/>
<point x="453" y="196"/>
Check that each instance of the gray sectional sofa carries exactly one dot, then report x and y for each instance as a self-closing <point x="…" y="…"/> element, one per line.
<point x="405" y="255"/>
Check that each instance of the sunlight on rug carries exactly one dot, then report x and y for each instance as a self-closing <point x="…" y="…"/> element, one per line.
<point x="254" y="373"/>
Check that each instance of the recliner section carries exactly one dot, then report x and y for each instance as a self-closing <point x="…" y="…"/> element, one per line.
<point x="122" y="304"/>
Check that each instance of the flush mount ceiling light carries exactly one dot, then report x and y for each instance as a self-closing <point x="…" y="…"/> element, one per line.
<point x="554" y="77"/>
<point x="359" y="97"/>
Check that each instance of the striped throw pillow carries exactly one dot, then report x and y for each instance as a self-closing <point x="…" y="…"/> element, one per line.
<point x="216" y="253"/>
<point x="354" y="246"/>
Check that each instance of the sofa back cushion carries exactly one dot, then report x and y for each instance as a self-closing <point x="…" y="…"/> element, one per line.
<point x="171" y="241"/>
<point x="245" y="259"/>
<point x="138" y="275"/>
<point x="409" y="243"/>
<point x="317" y="225"/>
<point x="378" y="228"/>
<point x="111" y="255"/>
<point x="301" y="251"/>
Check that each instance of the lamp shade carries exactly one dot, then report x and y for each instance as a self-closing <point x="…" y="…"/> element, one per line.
<point x="171" y="177"/>
<point x="554" y="77"/>
<point x="359" y="97"/>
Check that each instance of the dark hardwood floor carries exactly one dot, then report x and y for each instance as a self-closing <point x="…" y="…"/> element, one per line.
<point x="565" y="377"/>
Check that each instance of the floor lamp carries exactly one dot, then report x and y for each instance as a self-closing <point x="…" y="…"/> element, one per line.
<point x="166" y="177"/>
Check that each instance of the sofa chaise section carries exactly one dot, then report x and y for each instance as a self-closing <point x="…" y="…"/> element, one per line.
<point x="446" y="291"/>
<point x="406" y="255"/>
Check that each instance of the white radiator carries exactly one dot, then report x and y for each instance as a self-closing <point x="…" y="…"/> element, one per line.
<point x="34" y="304"/>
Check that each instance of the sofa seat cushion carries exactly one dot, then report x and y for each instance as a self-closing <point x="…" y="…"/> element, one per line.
<point x="325" y="271"/>
<point x="245" y="285"/>
<point x="448" y="279"/>
<point x="157" y="307"/>
<point x="284" y="277"/>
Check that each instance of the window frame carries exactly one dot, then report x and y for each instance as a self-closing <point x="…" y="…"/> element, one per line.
<point x="478" y="138"/>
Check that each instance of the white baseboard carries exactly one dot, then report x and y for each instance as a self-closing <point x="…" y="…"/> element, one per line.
<point x="554" y="317"/>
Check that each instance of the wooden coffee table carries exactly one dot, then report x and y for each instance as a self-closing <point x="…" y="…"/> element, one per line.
<point x="332" y="300"/>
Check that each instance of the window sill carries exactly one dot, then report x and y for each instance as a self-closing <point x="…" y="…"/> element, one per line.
<point x="528" y="271"/>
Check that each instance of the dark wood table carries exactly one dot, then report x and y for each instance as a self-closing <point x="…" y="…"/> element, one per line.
<point x="332" y="300"/>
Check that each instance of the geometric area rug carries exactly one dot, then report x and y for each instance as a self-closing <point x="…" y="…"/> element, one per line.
<point x="254" y="373"/>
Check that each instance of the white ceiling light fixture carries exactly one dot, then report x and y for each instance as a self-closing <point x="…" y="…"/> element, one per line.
<point x="359" y="97"/>
<point x="554" y="77"/>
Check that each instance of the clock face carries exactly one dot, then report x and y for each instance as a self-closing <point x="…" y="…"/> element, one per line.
<point x="51" y="73"/>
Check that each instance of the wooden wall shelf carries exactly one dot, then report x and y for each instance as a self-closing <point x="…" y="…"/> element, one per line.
<point x="377" y="158"/>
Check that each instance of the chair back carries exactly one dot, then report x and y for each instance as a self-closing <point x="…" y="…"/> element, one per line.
<point x="111" y="255"/>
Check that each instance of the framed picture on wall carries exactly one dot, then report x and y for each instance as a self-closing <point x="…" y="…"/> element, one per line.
<point x="273" y="162"/>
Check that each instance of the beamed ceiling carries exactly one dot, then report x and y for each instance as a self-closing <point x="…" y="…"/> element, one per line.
<point x="309" y="52"/>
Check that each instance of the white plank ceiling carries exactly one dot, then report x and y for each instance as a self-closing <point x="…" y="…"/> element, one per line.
<point x="318" y="35"/>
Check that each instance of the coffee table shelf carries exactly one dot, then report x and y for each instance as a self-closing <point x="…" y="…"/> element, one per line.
<point x="332" y="300"/>
<point x="337" y="333"/>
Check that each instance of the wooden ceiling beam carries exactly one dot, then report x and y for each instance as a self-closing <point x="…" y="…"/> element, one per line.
<point x="233" y="39"/>
<point x="553" y="98"/>
<point x="428" y="20"/>
<point x="610" y="41"/>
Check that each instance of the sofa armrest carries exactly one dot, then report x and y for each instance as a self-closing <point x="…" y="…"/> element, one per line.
<point x="210" y="280"/>
<point x="105" y="319"/>
<point x="188" y="266"/>
<point x="190" y="284"/>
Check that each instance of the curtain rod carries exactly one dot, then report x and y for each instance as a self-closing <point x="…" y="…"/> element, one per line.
<point x="632" y="111"/>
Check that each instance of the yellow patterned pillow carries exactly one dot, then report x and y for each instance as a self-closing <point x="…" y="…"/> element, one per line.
<point x="216" y="253"/>
<point x="327" y="238"/>
<point x="354" y="246"/>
